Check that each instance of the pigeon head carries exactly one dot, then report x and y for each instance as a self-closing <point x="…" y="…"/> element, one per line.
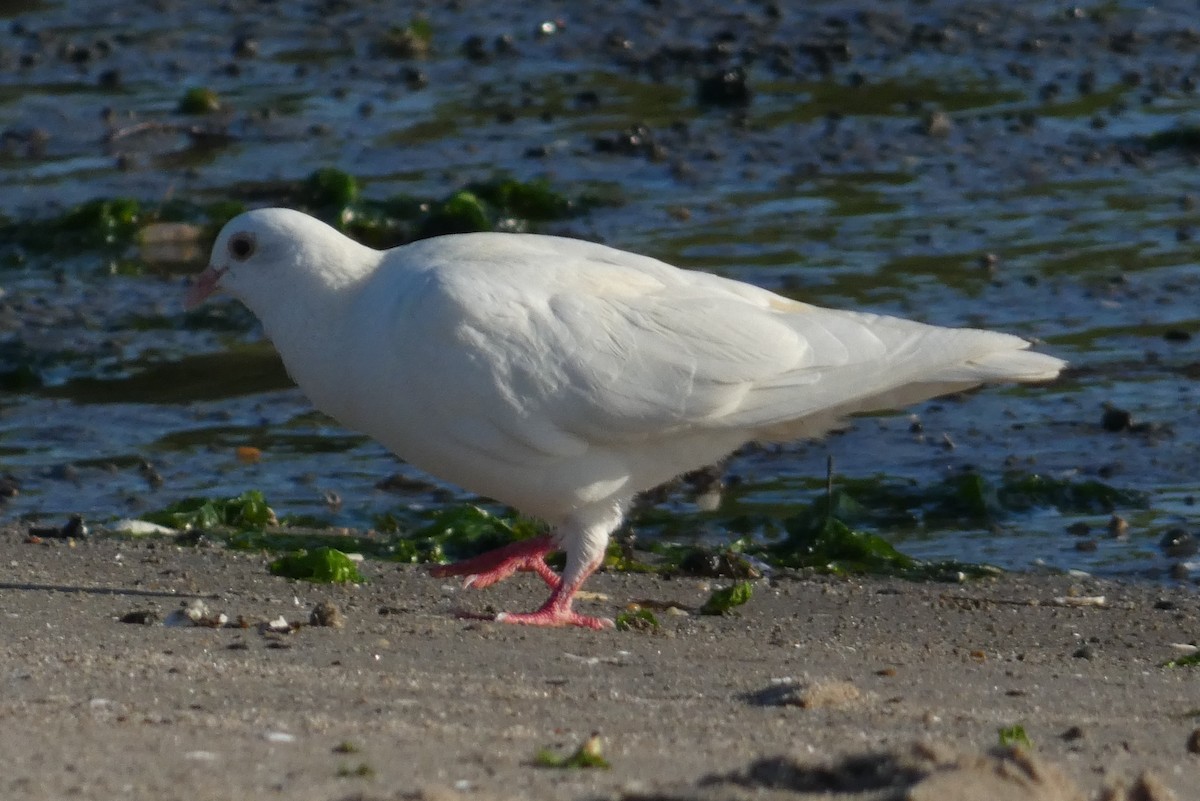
<point x="261" y="253"/>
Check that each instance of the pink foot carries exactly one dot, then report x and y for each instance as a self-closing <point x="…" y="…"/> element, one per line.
<point x="547" y="616"/>
<point x="488" y="568"/>
<point x="557" y="612"/>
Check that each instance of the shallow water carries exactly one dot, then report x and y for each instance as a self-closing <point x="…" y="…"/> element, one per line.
<point x="832" y="184"/>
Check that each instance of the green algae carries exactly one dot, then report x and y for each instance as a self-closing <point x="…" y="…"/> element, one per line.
<point x="111" y="226"/>
<point x="834" y="533"/>
<point x="726" y="599"/>
<point x="324" y="565"/>
<point x="1191" y="660"/>
<point x="248" y="510"/>
<point x="588" y="755"/>
<point x="199" y="100"/>
<point x="637" y="620"/>
<point x="1013" y="736"/>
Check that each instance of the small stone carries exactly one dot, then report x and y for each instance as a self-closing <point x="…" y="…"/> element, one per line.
<point x="1084" y="652"/>
<point x="9" y="487"/>
<point x="829" y="694"/>
<point x="140" y="617"/>
<point x="326" y="614"/>
<point x="1193" y="742"/>
<point x="1179" y="543"/>
<point x="1118" y="527"/>
<point x="75" y="528"/>
<point x="724" y="88"/>
<point x="244" y="47"/>
<point x="64" y="472"/>
<point x="196" y="613"/>
<point x="937" y="123"/>
<point x="1149" y="787"/>
<point x="1116" y="420"/>
<point x="1072" y="734"/>
<point x="475" y="49"/>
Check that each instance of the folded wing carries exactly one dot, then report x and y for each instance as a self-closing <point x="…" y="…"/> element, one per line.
<point x="599" y="346"/>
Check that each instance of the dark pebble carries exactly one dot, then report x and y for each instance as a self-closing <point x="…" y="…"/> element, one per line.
<point x="475" y="49"/>
<point x="74" y="528"/>
<point x="505" y="45"/>
<point x="1179" y="543"/>
<point x="153" y="479"/>
<point x="587" y="100"/>
<point x="1193" y="742"/>
<point x="1084" y="652"/>
<point x="64" y="472"/>
<point x="140" y="617"/>
<point x="724" y="88"/>
<point x="403" y="484"/>
<point x="413" y="78"/>
<point x="326" y="614"/>
<point x="9" y="487"/>
<point x="1072" y="734"/>
<point x="636" y="140"/>
<point x="1116" y="420"/>
<point x="937" y="124"/>
<point x="244" y="47"/>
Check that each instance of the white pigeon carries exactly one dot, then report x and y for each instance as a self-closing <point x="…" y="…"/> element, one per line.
<point x="563" y="377"/>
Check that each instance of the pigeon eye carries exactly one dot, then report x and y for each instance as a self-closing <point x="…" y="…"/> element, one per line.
<point x="241" y="246"/>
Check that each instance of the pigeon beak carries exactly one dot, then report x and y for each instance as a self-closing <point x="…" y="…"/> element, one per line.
<point x="203" y="285"/>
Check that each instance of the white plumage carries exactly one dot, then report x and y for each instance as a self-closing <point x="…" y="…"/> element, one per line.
<point x="563" y="377"/>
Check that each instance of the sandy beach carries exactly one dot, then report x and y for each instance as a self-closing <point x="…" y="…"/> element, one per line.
<point x="817" y="688"/>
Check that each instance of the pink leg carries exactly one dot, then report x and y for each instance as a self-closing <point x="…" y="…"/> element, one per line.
<point x="495" y="565"/>
<point x="585" y="534"/>
<point x="557" y="610"/>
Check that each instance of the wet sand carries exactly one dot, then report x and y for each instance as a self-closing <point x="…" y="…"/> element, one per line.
<point x="817" y="688"/>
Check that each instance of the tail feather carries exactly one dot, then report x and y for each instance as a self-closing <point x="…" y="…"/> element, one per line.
<point x="1005" y="365"/>
<point x="919" y="362"/>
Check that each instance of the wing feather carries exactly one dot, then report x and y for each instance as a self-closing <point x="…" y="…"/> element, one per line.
<point x="590" y="345"/>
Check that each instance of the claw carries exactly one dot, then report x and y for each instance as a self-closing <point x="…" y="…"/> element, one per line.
<point x="486" y="569"/>
<point x="552" y="617"/>
<point x="489" y="568"/>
